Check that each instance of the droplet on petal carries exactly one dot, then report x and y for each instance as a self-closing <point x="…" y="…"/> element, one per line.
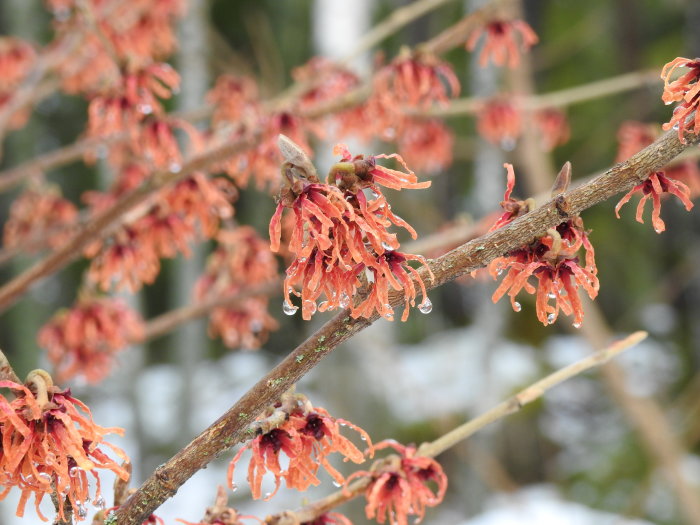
<point x="426" y="306"/>
<point x="344" y="300"/>
<point x="551" y="318"/>
<point x="577" y="325"/>
<point x="289" y="309"/>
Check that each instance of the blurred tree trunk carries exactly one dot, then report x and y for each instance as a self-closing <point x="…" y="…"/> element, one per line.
<point x="190" y="341"/>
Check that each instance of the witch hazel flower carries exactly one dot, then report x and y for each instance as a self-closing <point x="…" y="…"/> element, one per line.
<point x="504" y="42"/>
<point x="307" y="435"/>
<point x="399" y="486"/>
<point x="49" y="446"/>
<point x="415" y="80"/>
<point x="84" y="339"/>
<point x="553" y="128"/>
<point x="686" y="90"/>
<point x="551" y="260"/>
<point x="652" y="188"/>
<point x="425" y="144"/>
<point x="340" y="238"/>
<point x="499" y="121"/>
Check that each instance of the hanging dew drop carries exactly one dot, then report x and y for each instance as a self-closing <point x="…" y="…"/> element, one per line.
<point x="426" y="306"/>
<point x="551" y="296"/>
<point x="336" y="484"/>
<point x="500" y="271"/>
<point x="551" y="318"/>
<point x="234" y="487"/>
<point x="577" y="325"/>
<point x="344" y="300"/>
<point x="289" y="309"/>
<point x="517" y="306"/>
<point x="82" y="510"/>
<point x="100" y="502"/>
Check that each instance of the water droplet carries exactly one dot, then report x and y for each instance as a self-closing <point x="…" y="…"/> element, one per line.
<point x="323" y="305"/>
<point x="175" y="167"/>
<point x="668" y="103"/>
<point x="268" y="495"/>
<point x="45" y="476"/>
<point x="508" y="143"/>
<point x="500" y="271"/>
<point x="551" y="296"/>
<point x="234" y="487"/>
<point x="73" y="471"/>
<point x="344" y="300"/>
<point x="146" y="109"/>
<point x="99" y="502"/>
<point x="348" y="197"/>
<point x="82" y="511"/>
<point x="676" y="126"/>
<point x="386" y="247"/>
<point x="310" y="306"/>
<point x="551" y="318"/>
<point x="577" y="325"/>
<point x="336" y="484"/>
<point x="517" y="306"/>
<point x="363" y="438"/>
<point x="302" y="259"/>
<point x="389" y="316"/>
<point x="375" y="194"/>
<point x="289" y="309"/>
<point x="426" y="306"/>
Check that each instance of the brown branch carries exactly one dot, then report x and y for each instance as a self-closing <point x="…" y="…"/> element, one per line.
<point x="434" y="448"/>
<point x="229" y="429"/>
<point x="162" y="324"/>
<point x="12" y="290"/>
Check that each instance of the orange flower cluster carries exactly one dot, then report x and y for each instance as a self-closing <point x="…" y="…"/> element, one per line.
<point x="134" y="32"/>
<point x="50" y="444"/>
<point x="84" y="339"/>
<point x="501" y="44"/>
<point x="340" y="239"/>
<point x="500" y="123"/>
<point x="16" y="60"/>
<point x="242" y="260"/>
<point x="425" y="144"/>
<point x="552" y="260"/>
<point x="131" y="257"/>
<point x="308" y="436"/>
<point x="399" y="485"/>
<point x="39" y="215"/>
<point x="652" y="188"/>
<point x="686" y="90"/>
<point x="415" y="80"/>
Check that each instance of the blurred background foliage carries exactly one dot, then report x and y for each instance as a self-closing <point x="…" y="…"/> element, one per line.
<point x="578" y="439"/>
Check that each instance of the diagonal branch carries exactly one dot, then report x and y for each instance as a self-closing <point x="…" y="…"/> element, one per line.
<point x="231" y="427"/>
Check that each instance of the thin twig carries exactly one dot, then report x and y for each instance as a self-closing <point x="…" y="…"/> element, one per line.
<point x="229" y="429"/>
<point x="166" y="322"/>
<point x="434" y="448"/>
<point x="560" y="98"/>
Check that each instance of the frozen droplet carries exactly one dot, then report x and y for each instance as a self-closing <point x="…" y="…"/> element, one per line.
<point x="508" y="143"/>
<point x="289" y="309"/>
<point x="658" y="230"/>
<point x="551" y="296"/>
<point x="517" y="306"/>
<point x="310" y="306"/>
<point x="577" y="325"/>
<point x="551" y="318"/>
<point x="99" y="502"/>
<point x="344" y="300"/>
<point x="45" y="476"/>
<point x="426" y="306"/>
<point x="349" y="197"/>
<point x="175" y="167"/>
